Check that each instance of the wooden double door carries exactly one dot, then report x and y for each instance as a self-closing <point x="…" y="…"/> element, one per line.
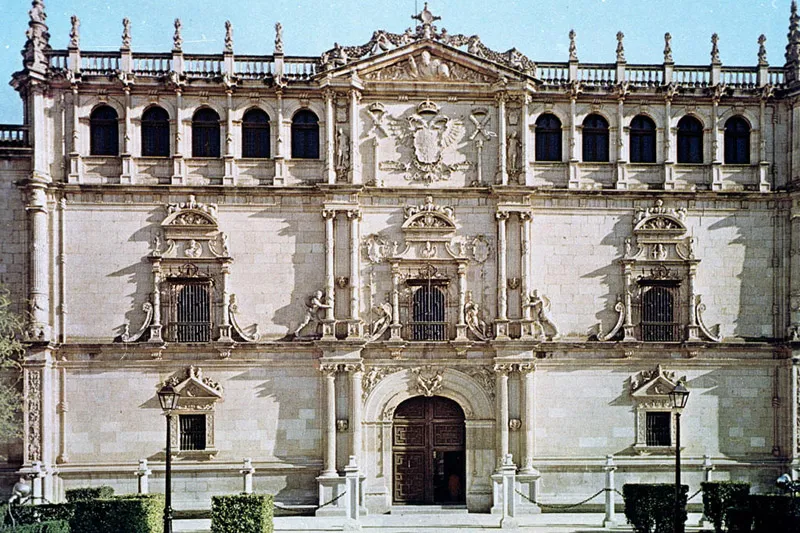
<point x="429" y="460"/>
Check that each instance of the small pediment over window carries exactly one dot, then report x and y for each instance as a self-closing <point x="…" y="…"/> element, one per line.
<point x="195" y="389"/>
<point x="430" y="217"/>
<point x="653" y="383"/>
<point x="190" y="220"/>
<point x="660" y="221"/>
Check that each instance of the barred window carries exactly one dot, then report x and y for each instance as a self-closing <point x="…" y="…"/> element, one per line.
<point x="155" y="133"/>
<point x="205" y="133"/>
<point x="255" y="134"/>
<point x="192" y="432"/>
<point x="658" y="428"/>
<point x="643" y="140"/>
<point x="659" y="314"/>
<point x="595" y="139"/>
<point x="690" y="140"/>
<point x="548" y="138"/>
<point x="737" y="141"/>
<point x="305" y="135"/>
<point x="104" y="131"/>
<point x="428" y="314"/>
<point x="187" y="310"/>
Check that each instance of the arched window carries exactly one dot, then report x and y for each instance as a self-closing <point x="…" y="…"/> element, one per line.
<point x="548" y="138"/>
<point x="428" y="306"/>
<point x="155" y="133"/>
<point x="595" y="139"/>
<point x="690" y="140"/>
<point x="255" y="134"/>
<point x="737" y="141"/>
<point x="205" y="133"/>
<point x="104" y="133"/>
<point x="305" y="135"/>
<point x="643" y="140"/>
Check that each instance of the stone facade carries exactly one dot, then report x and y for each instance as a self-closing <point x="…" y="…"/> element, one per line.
<point x="313" y="272"/>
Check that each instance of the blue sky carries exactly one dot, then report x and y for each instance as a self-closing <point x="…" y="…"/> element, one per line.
<point x="538" y="28"/>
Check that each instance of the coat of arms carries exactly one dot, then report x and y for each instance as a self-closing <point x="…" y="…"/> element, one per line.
<point x="429" y="133"/>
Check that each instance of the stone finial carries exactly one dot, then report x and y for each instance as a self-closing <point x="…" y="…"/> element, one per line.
<point x="228" y="36"/>
<point x="762" y="51"/>
<point x="620" y="47"/>
<point x="126" y="34"/>
<point x="38" y="38"/>
<point x="75" y="32"/>
<point x="573" y="48"/>
<point x="793" y="45"/>
<point x="715" y="49"/>
<point x="667" y="48"/>
<point x="278" y="38"/>
<point x="177" y="40"/>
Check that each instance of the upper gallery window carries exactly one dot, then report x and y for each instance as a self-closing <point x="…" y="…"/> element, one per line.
<point x="595" y="139"/>
<point x="104" y="132"/>
<point x="255" y="134"/>
<point x="205" y="133"/>
<point x="548" y="138"/>
<point x="305" y="135"/>
<point x="737" y="141"/>
<point x="155" y="132"/>
<point x="643" y="140"/>
<point x="690" y="140"/>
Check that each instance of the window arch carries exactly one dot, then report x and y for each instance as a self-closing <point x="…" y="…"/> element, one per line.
<point x="737" y="141"/>
<point x="104" y="132"/>
<point x="255" y="134"/>
<point x="595" y="139"/>
<point x="643" y="140"/>
<point x="548" y="138"/>
<point x="305" y="135"/>
<point x="205" y="133"/>
<point x="155" y="132"/>
<point x="690" y="140"/>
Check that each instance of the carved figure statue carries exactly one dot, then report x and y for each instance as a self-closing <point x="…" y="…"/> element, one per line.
<point x="193" y="249"/>
<point x="342" y="149"/>
<point x="380" y="326"/>
<point x="514" y="147"/>
<point x="429" y="68"/>
<point x="177" y="40"/>
<point x="156" y="245"/>
<point x="539" y="314"/>
<point x="628" y="246"/>
<point x="126" y="33"/>
<point x="75" y="32"/>
<point x="473" y="319"/>
<point x="228" y="36"/>
<point x="314" y="305"/>
<point x="278" y="38"/>
<point x="225" y="247"/>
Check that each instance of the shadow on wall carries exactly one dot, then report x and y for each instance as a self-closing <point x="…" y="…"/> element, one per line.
<point x="610" y="276"/>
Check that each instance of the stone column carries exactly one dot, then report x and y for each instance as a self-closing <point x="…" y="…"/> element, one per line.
<point x="62" y="408"/>
<point x="396" y="326"/>
<point x="329" y="459"/>
<point x="330" y="136"/>
<point x="143" y="473"/>
<point x="247" y="472"/>
<point x="229" y="177"/>
<point x="62" y="267"/>
<point x="716" y="178"/>
<point x="125" y="156"/>
<point x="622" y="172"/>
<point x="610" y="519"/>
<point x="501" y="134"/>
<point x="328" y="323"/>
<point x="794" y="409"/>
<point x="669" y="169"/>
<point x="501" y="386"/>
<point x="502" y="289"/>
<point x="528" y="417"/>
<point x="38" y="257"/>
<point x="524" y="139"/>
<point x="155" y="327"/>
<point x="355" y="327"/>
<point x="574" y="178"/>
<point x="356" y="376"/>
<point x="525" y="260"/>
<point x="693" y="332"/>
<point x="177" y="153"/>
<point x="763" y="164"/>
<point x="461" y="326"/>
<point x="225" y="322"/>
<point x="75" y="146"/>
<point x="280" y="142"/>
<point x="355" y="155"/>
<point x="626" y="286"/>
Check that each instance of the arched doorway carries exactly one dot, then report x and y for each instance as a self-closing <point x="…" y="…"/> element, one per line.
<point x="428" y="454"/>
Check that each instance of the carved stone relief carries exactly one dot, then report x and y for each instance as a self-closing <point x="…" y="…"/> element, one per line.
<point x="426" y="67"/>
<point x="374" y="376"/>
<point x="34" y="412"/>
<point x="428" y="383"/>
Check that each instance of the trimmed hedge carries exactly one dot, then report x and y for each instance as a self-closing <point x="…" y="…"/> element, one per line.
<point x="242" y="513"/>
<point x="52" y="526"/>
<point x="650" y="507"/>
<point x="32" y="514"/>
<point x="138" y="513"/>
<point x="773" y="513"/>
<point x="89" y="493"/>
<point x="719" y="497"/>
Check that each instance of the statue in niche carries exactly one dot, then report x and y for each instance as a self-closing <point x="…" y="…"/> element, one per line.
<point x="342" y="150"/>
<point x="514" y="147"/>
<point x="542" y="322"/>
<point x="380" y="326"/>
<point x="314" y="305"/>
<point x="193" y="249"/>
<point x="428" y="68"/>
<point x="472" y="316"/>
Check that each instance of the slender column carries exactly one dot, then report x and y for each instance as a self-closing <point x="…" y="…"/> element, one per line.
<point x="355" y="155"/>
<point x="355" y="328"/>
<point x="177" y="157"/>
<point x="716" y="178"/>
<point x="127" y="161"/>
<point x="794" y="429"/>
<point x="611" y="518"/>
<point x="693" y="328"/>
<point x="626" y="286"/>
<point x="155" y="328"/>
<point x="329" y="460"/>
<point x="574" y="178"/>
<point x="356" y="376"/>
<point x="525" y="259"/>
<point x="395" y="335"/>
<point x="528" y="416"/>
<point x="501" y="373"/>
<point x="502" y="289"/>
<point x="229" y="177"/>
<point x="62" y="278"/>
<point x="461" y="326"/>
<point x="330" y="135"/>
<point x="62" y="409"/>
<point x="75" y="154"/>
<point x="502" y="153"/>
<point x="329" y="216"/>
<point x="669" y="170"/>
<point x="38" y="134"/>
<point x="280" y="142"/>
<point x="524" y="139"/>
<point x="622" y="169"/>
<point x="225" y="325"/>
<point x="763" y="164"/>
<point x="38" y="297"/>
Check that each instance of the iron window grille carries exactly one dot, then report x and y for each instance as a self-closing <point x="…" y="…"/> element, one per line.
<point x="658" y="428"/>
<point x="255" y="134"/>
<point x="104" y="131"/>
<point x="595" y="139"/>
<point x="548" y="138"/>
<point x="188" y="310"/>
<point x="659" y="312"/>
<point x="155" y="133"/>
<point x="428" y="310"/>
<point x="192" y="432"/>
<point x="205" y="133"/>
<point x="690" y="140"/>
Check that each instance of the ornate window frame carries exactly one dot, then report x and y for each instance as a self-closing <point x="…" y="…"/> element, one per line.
<point x="198" y="396"/>
<point x="649" y="390"/>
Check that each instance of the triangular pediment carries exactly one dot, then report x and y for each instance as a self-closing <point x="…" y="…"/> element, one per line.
<point x="194" y="386"/>
<point x="428" y="61"/>
<point x="653" y="383"/>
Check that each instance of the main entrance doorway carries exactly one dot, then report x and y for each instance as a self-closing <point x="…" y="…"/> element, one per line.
<point x="428" y="452"/>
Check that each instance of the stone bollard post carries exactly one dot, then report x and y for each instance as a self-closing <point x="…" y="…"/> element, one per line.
<point x="37" y="482"/>
<point x="610" y="467"/>
<point x="247" y="472"/>
<point x="143" y="473"/>
<point x="508" y="471"/>
<point x="351" y="495"/>
<point x="708" y="467"/>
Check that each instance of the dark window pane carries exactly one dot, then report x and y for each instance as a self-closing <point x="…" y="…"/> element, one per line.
<point x="643" y="140"/>
<point x="305" y="135"/>
<point x="548" y="138"/>
<point x="659" y="321"/>
<point x="658" y="429"/>
<point x="255" y="134"/>
<point x="428" y="314"/>
<point x="737" y="141"/>
<point x="690" y="140"/>
<point x="205" y="133"/>
<point x="187" y="310"/>
<point x="595" y="139"/>
<point x="155" y="133"/>
<point x="104" y="133"/>
<point x="192" y="432"/>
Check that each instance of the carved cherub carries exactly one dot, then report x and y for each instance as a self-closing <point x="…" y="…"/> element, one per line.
<point x="314" y="305"/>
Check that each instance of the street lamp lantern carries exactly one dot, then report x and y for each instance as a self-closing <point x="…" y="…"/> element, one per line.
<point x="168" y="397"/>
<point x="678" y="397"/>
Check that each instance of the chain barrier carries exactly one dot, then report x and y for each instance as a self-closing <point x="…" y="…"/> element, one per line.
<point x="562" y="506"/>
<point x="695" y="494"/>
<point x="307" y="510"/>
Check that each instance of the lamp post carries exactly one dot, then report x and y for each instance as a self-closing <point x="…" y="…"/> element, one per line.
<point x="168" y="397"/>
<point x="678" y="397"/>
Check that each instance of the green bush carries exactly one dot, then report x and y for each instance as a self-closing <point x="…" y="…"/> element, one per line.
<point x="242" y="513"/>
<point x="720" y="496"/>
<point x="122" y="514"/>
<point x="774" y="513"/>
<point x="650" y="507"/>
<point x="52" y="526"/>
<point x="89" y="493"/>
<point x="739" y="519"/>
<point x="32" y="514"/>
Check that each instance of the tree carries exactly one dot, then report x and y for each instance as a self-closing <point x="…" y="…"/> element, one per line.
<point x="11" y="352"/>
